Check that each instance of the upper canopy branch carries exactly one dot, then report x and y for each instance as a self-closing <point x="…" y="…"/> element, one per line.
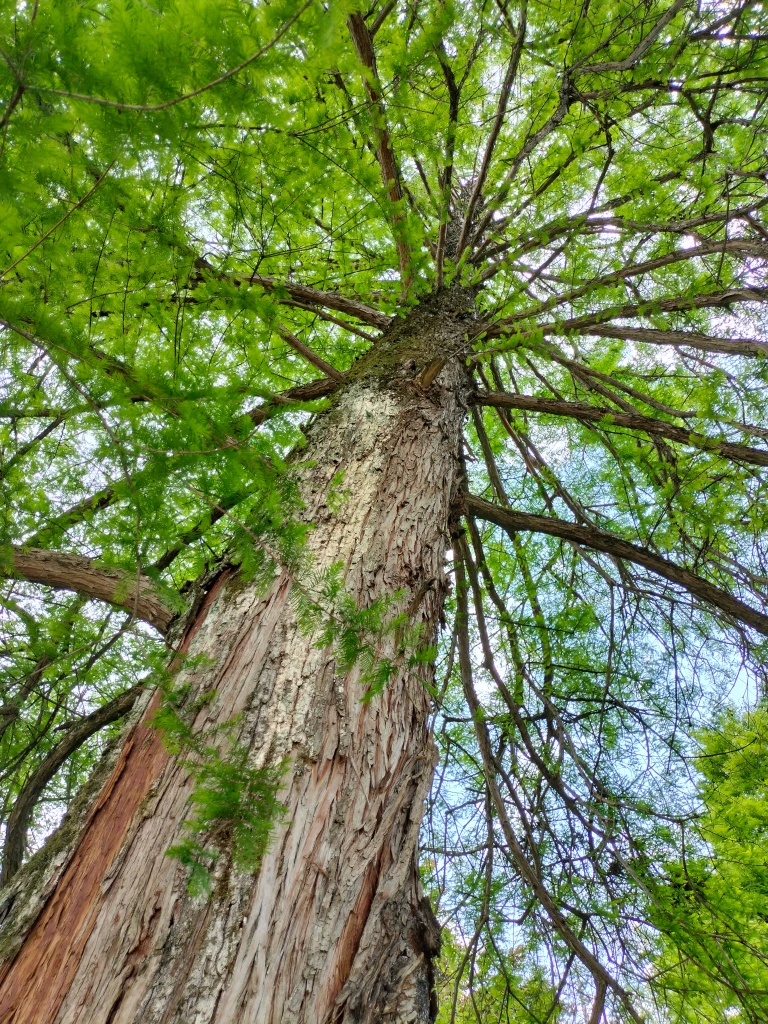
<point x="390" y="176"/>
<point x="634" y="421"/>
<point x="600" y="540"/>
<point x="501" y="110"/>
<point x="135" y="594"/>
<point x="305" y="294"/>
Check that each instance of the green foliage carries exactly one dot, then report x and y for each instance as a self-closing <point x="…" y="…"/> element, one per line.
<point x="711" y="911"/>
<point x="168" y="173"/>
<point x="234" y="803"/>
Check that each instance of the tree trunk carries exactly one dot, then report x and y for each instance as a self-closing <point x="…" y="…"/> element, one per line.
<point x="333" y="927"/>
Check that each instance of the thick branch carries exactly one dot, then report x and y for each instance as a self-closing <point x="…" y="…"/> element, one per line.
<point x="599" y="540"/>
<point x="634" y="421"/>
<point x="310" y="392"/>
<point x="85" y="576"/>
<point x="305" y="294"/>
<point x="675" y="304"/>
<point x="76" y="735"/>
<point x="728" y="346"/>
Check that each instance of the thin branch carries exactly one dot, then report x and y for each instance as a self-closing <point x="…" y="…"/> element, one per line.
<point x="196" y="532"/>
<point x="498" y="121"/>
<point x="491" y="771"/>
<point x="650" y="307"/>
<point x="639" y="51"/>
<point x="80" y="203"/>
<point x="72" y="516"/>
<point x="144" y="109"/>
<point x="18" y="820"/>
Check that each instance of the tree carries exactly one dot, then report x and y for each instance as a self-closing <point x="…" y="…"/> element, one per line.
<point x="712" y="906"/>
<point x="372" y="376"/>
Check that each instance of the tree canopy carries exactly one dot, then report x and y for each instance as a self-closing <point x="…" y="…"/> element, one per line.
<point x="210" y="210"/>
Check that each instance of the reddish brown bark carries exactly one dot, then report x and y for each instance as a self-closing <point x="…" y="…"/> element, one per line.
<point x="33" y="985"/>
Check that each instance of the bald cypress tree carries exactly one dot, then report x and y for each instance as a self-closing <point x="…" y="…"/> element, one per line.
<point x="382" y="390"/>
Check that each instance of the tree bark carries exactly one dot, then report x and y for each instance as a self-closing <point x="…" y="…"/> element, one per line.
<point x="333" y="928"/>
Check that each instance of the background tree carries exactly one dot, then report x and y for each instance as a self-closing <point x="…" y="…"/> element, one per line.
<point x="329" y="335"/>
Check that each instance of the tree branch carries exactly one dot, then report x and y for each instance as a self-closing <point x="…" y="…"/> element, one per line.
<point x="728" y="346"/>
<point x="305" y="294"/>
<point x="639" y="51"/>
<point x="390" y="178"/>
<point x="310" y="392"/>
<point x="600" y="540"/>
<point x="634" y="421"/>
<point x="86" y="576"/>
<point x="676" y="304"/>
<point x="312" y="357"/>
<point x="491" y="770"/>
<point x="153" y="108"/>
<point x="498" y="121"/>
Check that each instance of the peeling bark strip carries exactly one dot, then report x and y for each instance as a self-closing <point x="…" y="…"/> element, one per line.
<point x="599" y="540"/>
<point x="333" y="929"/>
<point x="33" y="984"/>
<point x="86" y="576"/>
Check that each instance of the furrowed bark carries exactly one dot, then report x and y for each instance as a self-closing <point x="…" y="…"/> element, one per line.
<point x="86" y="576"/>
<point x="333" y="928"/>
